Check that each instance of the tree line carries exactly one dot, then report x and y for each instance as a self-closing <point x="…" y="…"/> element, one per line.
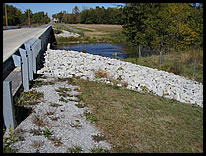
<point x="99" y="15"/>
<point x="16" y="17"/>
<point x="163" y="26"/>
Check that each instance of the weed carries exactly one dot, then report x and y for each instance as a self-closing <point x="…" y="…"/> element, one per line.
<point x="75" y="125"/>
<point x="80" y="105"/>
<point x="39" y="83"/>
<point x="75" y="149"/>
<point x="36" y="131"/>
<point x="98" y="137"/>
<point x="54" y="118"/>
<point x="19" y="132"/>
<point x="56" y="141"/>
<point x="37" y="120"/>
<point x="79" y="97"/>
<point x="101" y="74"/>
<point x="119" y="78"/>
<point x="57" y="31"/>
<point x="176" y="68"/>
<point x="90" y="117"/>
<point x="30" y="98"/>
<point x="55" y="104"/>
<point x="124" y="84"/>
<point x="120" y="68"/>
<point x="9" y="141"/>
<point x="144" y="88"/>
<point x="37" y="143"/>
<point x="63" y="100"/>
<point x="63" y="92"/>
<point x="99" y="150"/>
<point x="49" y="113"/>
<point x="84" y="50"/>
<point x="46" y="132"/>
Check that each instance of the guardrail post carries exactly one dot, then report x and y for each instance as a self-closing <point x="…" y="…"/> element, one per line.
<point x="8" y="108"/>
<point x="24" y="69"/>
<point x="30" y="59"/>
<point x="35" y="48"/>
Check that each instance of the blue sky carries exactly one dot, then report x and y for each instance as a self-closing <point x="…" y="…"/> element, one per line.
<point x="53" y="8"/>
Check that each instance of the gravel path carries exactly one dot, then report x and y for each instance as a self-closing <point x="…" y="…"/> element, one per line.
<point x="66" y="121"/>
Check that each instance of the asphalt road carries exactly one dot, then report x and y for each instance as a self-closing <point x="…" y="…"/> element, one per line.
<point x="14" y="38"/>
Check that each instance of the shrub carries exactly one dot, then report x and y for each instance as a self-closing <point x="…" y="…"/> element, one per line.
<point x="46" y="132"/>
<point x="84" y="50"/>
<point x="9" y="141"/>
<point x="101" y="74"/>
<point x="57" y="31"/>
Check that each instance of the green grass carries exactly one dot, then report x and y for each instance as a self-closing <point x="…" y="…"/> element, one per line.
<point x="75" y="149"/>
<point x="180" y="63"/>
<point x="140" y="122"/>
<point x="99" y="150"/>
<point x="29" y="98"/>
<point x="97" y="34"/>
<point x="81" y="29"/>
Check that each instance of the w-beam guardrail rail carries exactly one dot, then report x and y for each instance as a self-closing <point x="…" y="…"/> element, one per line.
<point x="27" y="57"/>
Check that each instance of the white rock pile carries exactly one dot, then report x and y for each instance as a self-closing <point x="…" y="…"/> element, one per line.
<point x="62" y="63"/>
<point x="67" y="34"/>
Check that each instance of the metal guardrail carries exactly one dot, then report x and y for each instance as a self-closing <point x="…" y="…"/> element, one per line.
<point x="27" y="57"/>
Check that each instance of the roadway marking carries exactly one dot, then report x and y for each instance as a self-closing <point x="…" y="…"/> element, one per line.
<point x="12" y="32"/>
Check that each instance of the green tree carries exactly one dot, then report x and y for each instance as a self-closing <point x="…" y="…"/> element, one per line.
<point x="13" y="15"/>
<point x="75" y="14"/>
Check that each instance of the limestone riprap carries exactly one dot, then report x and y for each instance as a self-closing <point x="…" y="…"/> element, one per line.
<point x="62" y="63"/>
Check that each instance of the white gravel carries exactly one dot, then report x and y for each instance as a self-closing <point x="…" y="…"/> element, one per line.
<point x="67" y="34"/>
<point x="67" y="116"/>
<point x="64" y="63"/>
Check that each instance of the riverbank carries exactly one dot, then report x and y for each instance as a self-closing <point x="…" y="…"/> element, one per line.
<point x="139" y="114"/>
<point x="140" y="78"/>
<point x="89" y="33"/>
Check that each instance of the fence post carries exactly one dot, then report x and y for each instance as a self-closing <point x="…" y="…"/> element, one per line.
<point x="140" y="53"/>
<point x="8" y="108"/>
<point x="24" y="69"/>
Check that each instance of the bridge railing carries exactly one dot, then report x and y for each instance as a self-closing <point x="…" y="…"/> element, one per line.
<point x="27" y="57"/>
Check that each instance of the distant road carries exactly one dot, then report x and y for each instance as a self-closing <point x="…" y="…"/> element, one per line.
<point x="14" y="38"/>
<point x="72" y="29"/>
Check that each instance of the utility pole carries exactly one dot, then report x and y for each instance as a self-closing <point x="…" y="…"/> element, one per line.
<point x="28" y="17"/>
<point x="6" y="15"/>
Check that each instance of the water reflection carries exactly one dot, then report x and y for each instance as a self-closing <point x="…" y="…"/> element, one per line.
<point x="102" y="49"/>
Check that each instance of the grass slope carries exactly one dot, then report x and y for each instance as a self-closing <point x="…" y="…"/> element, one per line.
<point x="137" y="122"/>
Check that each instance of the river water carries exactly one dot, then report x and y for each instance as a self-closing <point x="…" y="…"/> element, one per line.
<point x="101" y="49"/>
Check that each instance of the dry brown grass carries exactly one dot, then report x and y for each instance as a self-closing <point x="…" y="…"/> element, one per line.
<point x="138" y="122"/>
<point x="99" y="27"/>
<point x="98" y="30"/>
<point x="101" y="74"/>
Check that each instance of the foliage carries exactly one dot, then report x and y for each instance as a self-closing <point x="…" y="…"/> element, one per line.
<point x="46" y="132"/>
<point x="9" y="141"/>
<point x="163" y="26"/>
<point x="91" y="16"/>
<point x="101" y="16"/>
<point x="99" y="150"/>
<point x="75" y="149"/>
<point x="16" y="17"/>
<point x="90" y="117"/>
<point x="134" y="122"/>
